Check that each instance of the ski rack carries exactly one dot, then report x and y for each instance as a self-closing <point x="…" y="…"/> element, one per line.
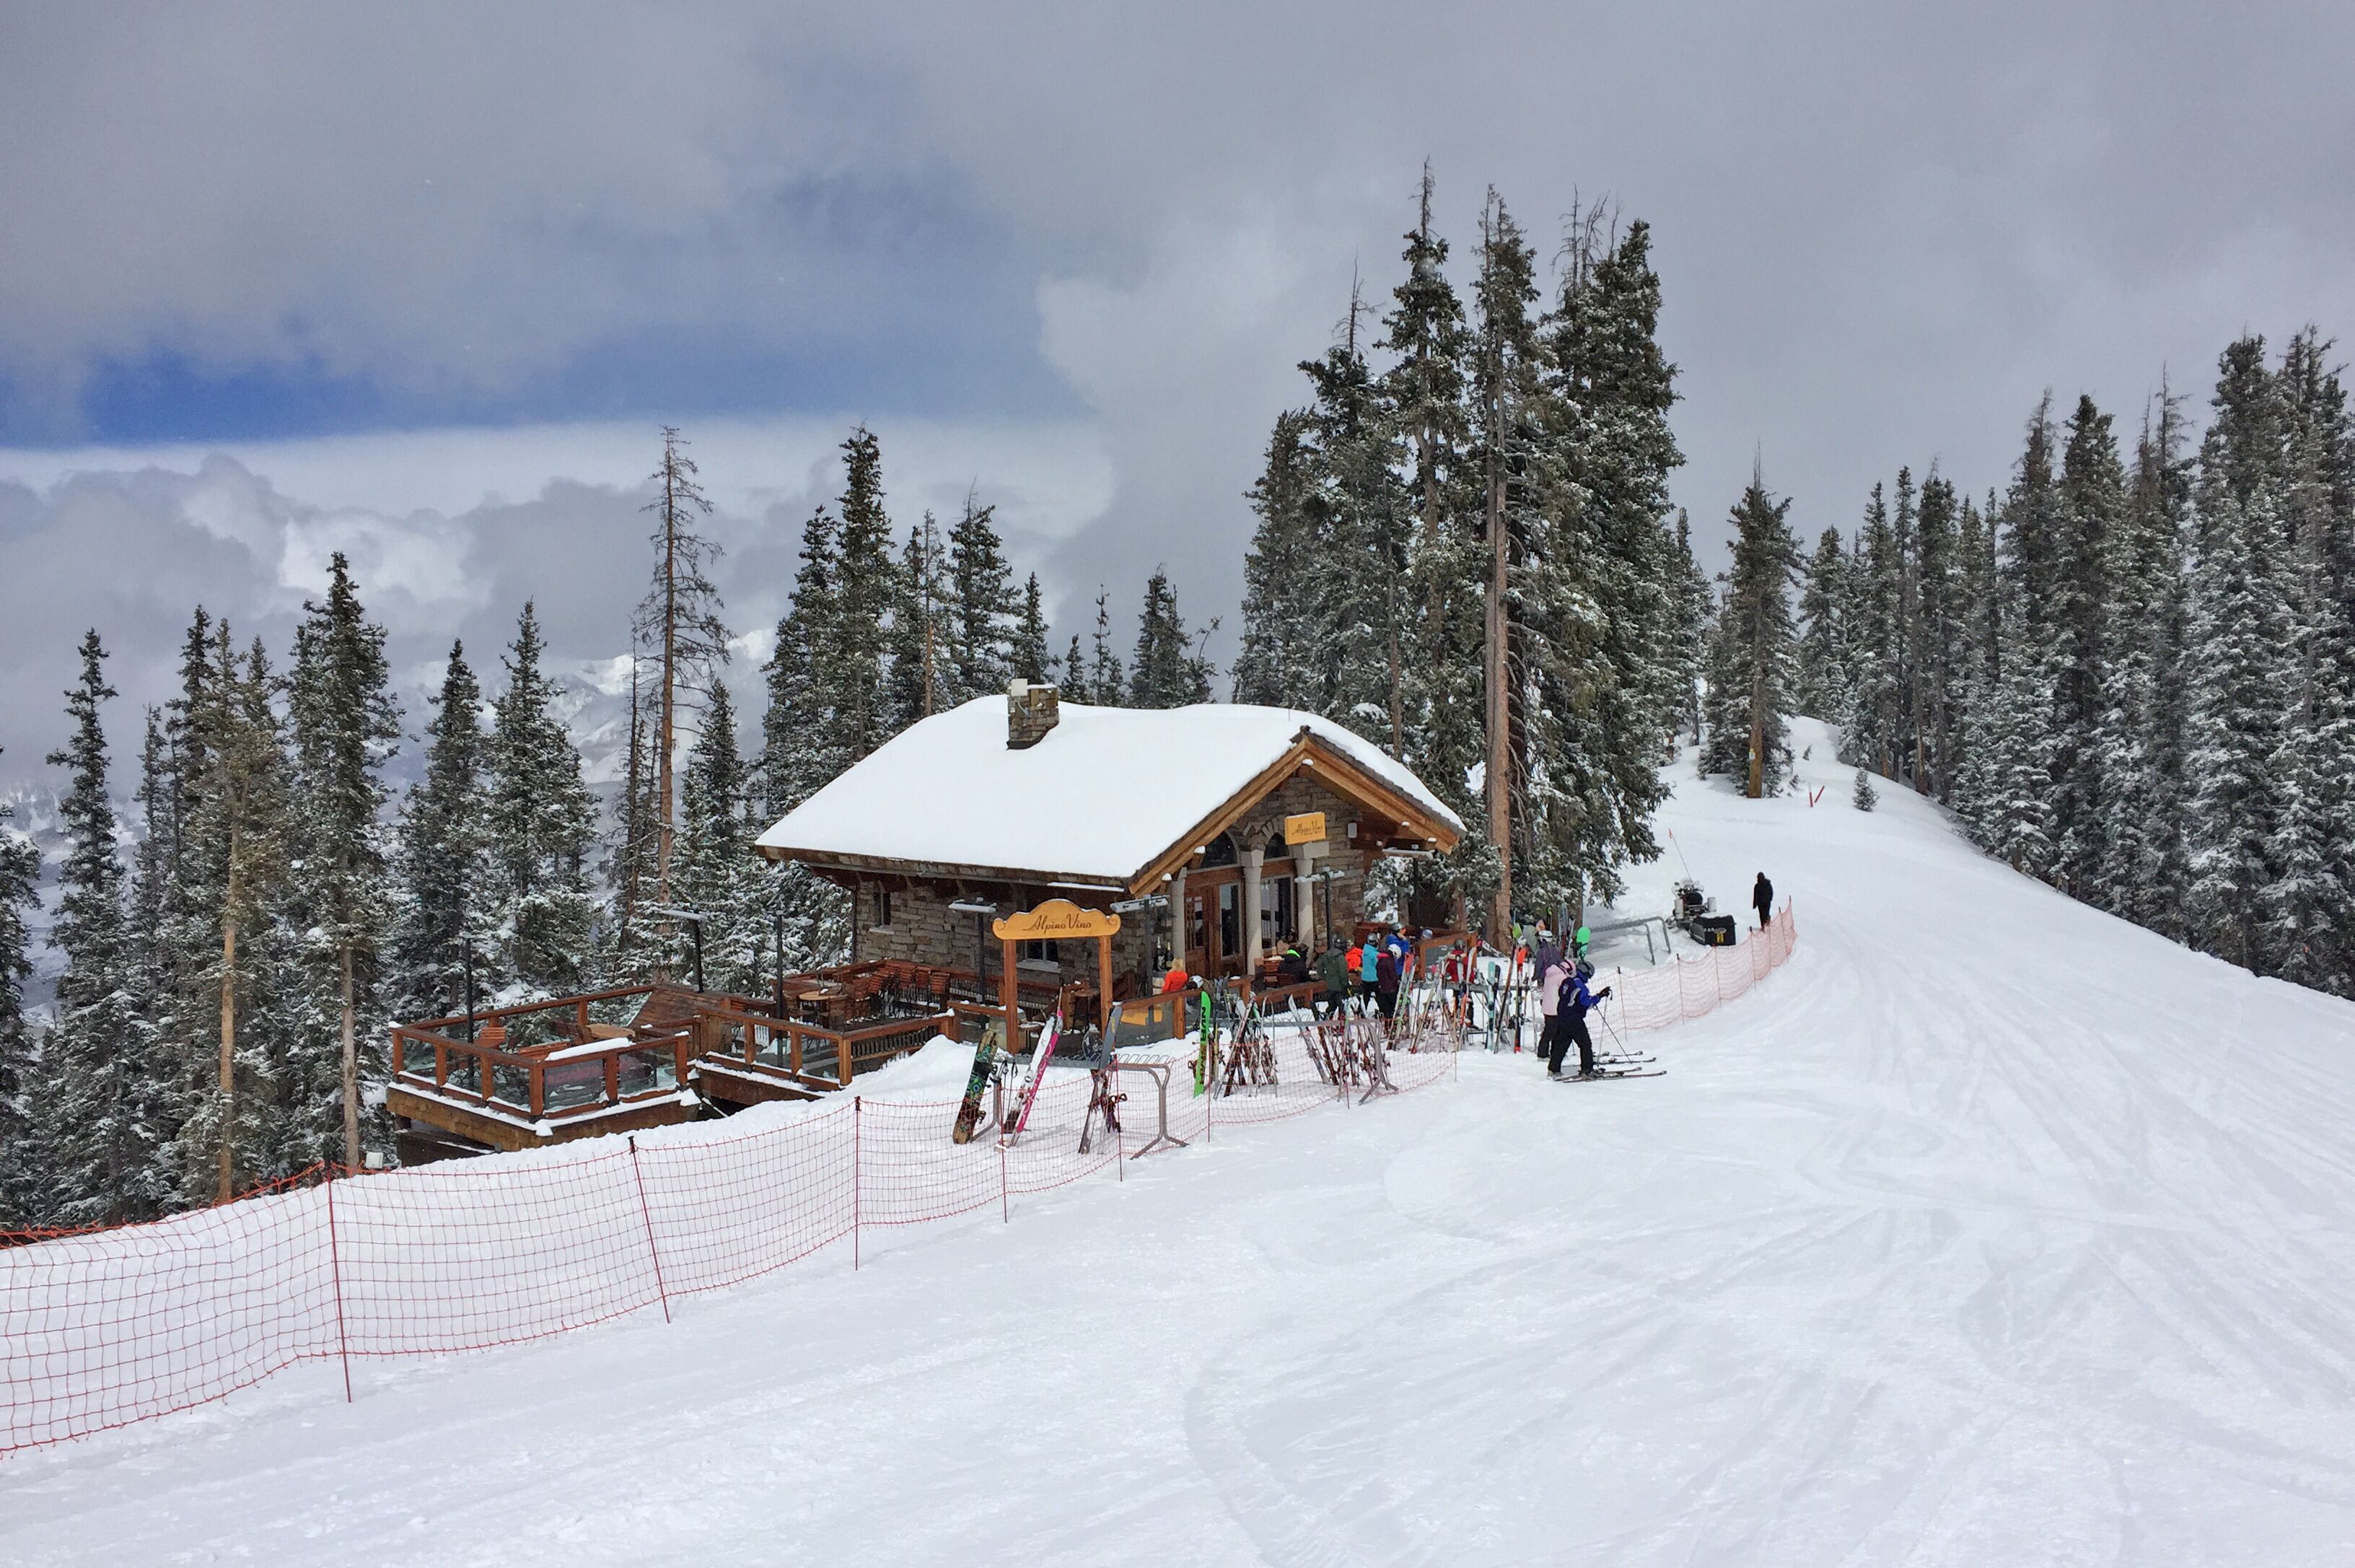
<point x="1162" y="1135"/>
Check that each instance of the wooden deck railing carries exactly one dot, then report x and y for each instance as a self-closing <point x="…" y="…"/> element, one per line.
<point x="542" y="1082"/>
<point x="812" y="1054"/>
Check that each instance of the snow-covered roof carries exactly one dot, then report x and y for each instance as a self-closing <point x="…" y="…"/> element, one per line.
<point x="1106" y="792"/>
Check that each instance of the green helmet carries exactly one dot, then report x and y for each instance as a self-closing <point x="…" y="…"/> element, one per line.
<point x="1584" y="936"/>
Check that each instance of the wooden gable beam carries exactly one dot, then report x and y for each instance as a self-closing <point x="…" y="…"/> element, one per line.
<point x="1322" y="757"/>
<point x="1368" y="789"/>
<point x="1264" y="784"/>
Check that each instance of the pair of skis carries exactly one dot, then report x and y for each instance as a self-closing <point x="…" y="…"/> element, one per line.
<point x="968" y="1117"/>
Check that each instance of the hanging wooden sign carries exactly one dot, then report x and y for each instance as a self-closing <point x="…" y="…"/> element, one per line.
<point x="1055" y="919"/>
<point x="1308" y="827"/>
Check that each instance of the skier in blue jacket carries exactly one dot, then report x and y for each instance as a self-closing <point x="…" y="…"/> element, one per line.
<point x="1571" y="1005"/>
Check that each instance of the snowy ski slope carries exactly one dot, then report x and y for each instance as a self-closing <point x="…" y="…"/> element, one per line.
<point x="1989" y="1230"/>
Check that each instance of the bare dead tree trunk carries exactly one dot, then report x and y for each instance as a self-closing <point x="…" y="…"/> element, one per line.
<point x="1757" y="736"/>
<point x="633" y="787"/>
<point x="227" y="1188"/>
<point x="1499" y="779"/>
<point x="351" y="1066"/>
<point x="1398" y="694"/>
<point x="663" y="826"/>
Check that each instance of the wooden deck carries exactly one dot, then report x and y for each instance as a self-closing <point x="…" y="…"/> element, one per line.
<point x="645" y="1056"/>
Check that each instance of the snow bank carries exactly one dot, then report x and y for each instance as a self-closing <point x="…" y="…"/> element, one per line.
<point x="1989" y="1230"/>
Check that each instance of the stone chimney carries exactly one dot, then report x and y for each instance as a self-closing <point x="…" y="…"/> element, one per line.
<point x="1031" y="712"/>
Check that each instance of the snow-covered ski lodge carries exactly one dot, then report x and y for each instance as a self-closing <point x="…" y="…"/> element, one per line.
<point x="1247" y="827"/>
<point x="1215" y="833"/>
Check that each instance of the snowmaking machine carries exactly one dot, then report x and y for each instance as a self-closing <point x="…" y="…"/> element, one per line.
<point x="1695" y="915"/>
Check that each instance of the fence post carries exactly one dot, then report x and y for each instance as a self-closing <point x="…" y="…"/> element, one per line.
<point x="1004" y="1204"/>
<point x="335" y="1272"/>
<point x="647" y="1214"/>
<point x="857" y="1114"/>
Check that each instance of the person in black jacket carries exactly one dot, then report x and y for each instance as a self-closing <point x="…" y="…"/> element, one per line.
<point x="1762" y="899"/>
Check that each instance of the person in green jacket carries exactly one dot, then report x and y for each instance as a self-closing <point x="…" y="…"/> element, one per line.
<point x="1333" y="974"/>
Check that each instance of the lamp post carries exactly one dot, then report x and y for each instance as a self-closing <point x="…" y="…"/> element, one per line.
<point x="980" y="913"/>
<point x="1325" y="881"/>
<point x="693" y="920"/>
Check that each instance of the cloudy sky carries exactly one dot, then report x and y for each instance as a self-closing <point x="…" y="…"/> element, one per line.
<point x="420" y="282"/>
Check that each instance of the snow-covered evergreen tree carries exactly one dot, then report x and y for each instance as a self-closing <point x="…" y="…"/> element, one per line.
<point x="345" y="724"/>
<point x="542" y="825"/>
<point x="1874" y="633"/>
<point x="921" y="680"/>
<point x="2140" y="738"/>
<point x="1939" y="639"/>
<point x="2092" y="496"/>
<point x="238" y="947"/>
<point x="1695" y="611"/>
<point x="2003" y="792"/>
<point x="1361" y="605"/>
<point x="24" y="1148"/>
<point x="1107" y="683"/>
<point x="1615" y="602"/>
<point x="1282" y="659"/>
<point x="852" y="668"/>
<point x="1165" y="672"/>
<point x="1760" y="634"/>
<point x="1027" y="655"/>
<point x="718" y="875"/>
<point x="801" y="747"/>
<point x="1821" y="687"/>
<point x="2310" y="905"/>
<point x="2010" y="738"/>
<point x="442" y="857"/>
<point x="988" y="637"/>
<point x="97" y="1153"/>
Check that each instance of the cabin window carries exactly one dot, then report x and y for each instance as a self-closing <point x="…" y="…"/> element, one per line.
<point x="1220" y="852"/>
<point x="879" y="911"/>
<point x="1038" y="953"/>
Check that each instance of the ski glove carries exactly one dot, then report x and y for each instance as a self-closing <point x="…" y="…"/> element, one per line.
<point x="1603" y="993"/>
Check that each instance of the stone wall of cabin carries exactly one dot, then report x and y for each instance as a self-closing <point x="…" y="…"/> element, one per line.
<point x="925" y="930"/>
<point x="1304" y="792"/>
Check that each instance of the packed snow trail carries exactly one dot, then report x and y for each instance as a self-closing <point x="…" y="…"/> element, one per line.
<point x="1988" y="1231"/>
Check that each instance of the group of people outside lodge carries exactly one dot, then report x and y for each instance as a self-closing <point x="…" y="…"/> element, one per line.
<point x="1374" y="968"/>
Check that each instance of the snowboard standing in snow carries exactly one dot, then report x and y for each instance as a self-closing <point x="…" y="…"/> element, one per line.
<point x="984" y="1060"/>
<point x="1205" y="1059"/>
<point x="1047" y="1037"/>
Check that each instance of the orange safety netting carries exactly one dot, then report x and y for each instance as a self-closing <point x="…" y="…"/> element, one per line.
<point x="1689" y="987"/>
<point x="104" y="1328"/>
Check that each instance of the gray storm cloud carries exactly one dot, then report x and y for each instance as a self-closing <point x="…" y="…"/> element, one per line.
<point x="1881" y="230"/>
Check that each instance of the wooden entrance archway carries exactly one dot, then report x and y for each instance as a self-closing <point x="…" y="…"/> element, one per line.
<point x="1057" y="920"/>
